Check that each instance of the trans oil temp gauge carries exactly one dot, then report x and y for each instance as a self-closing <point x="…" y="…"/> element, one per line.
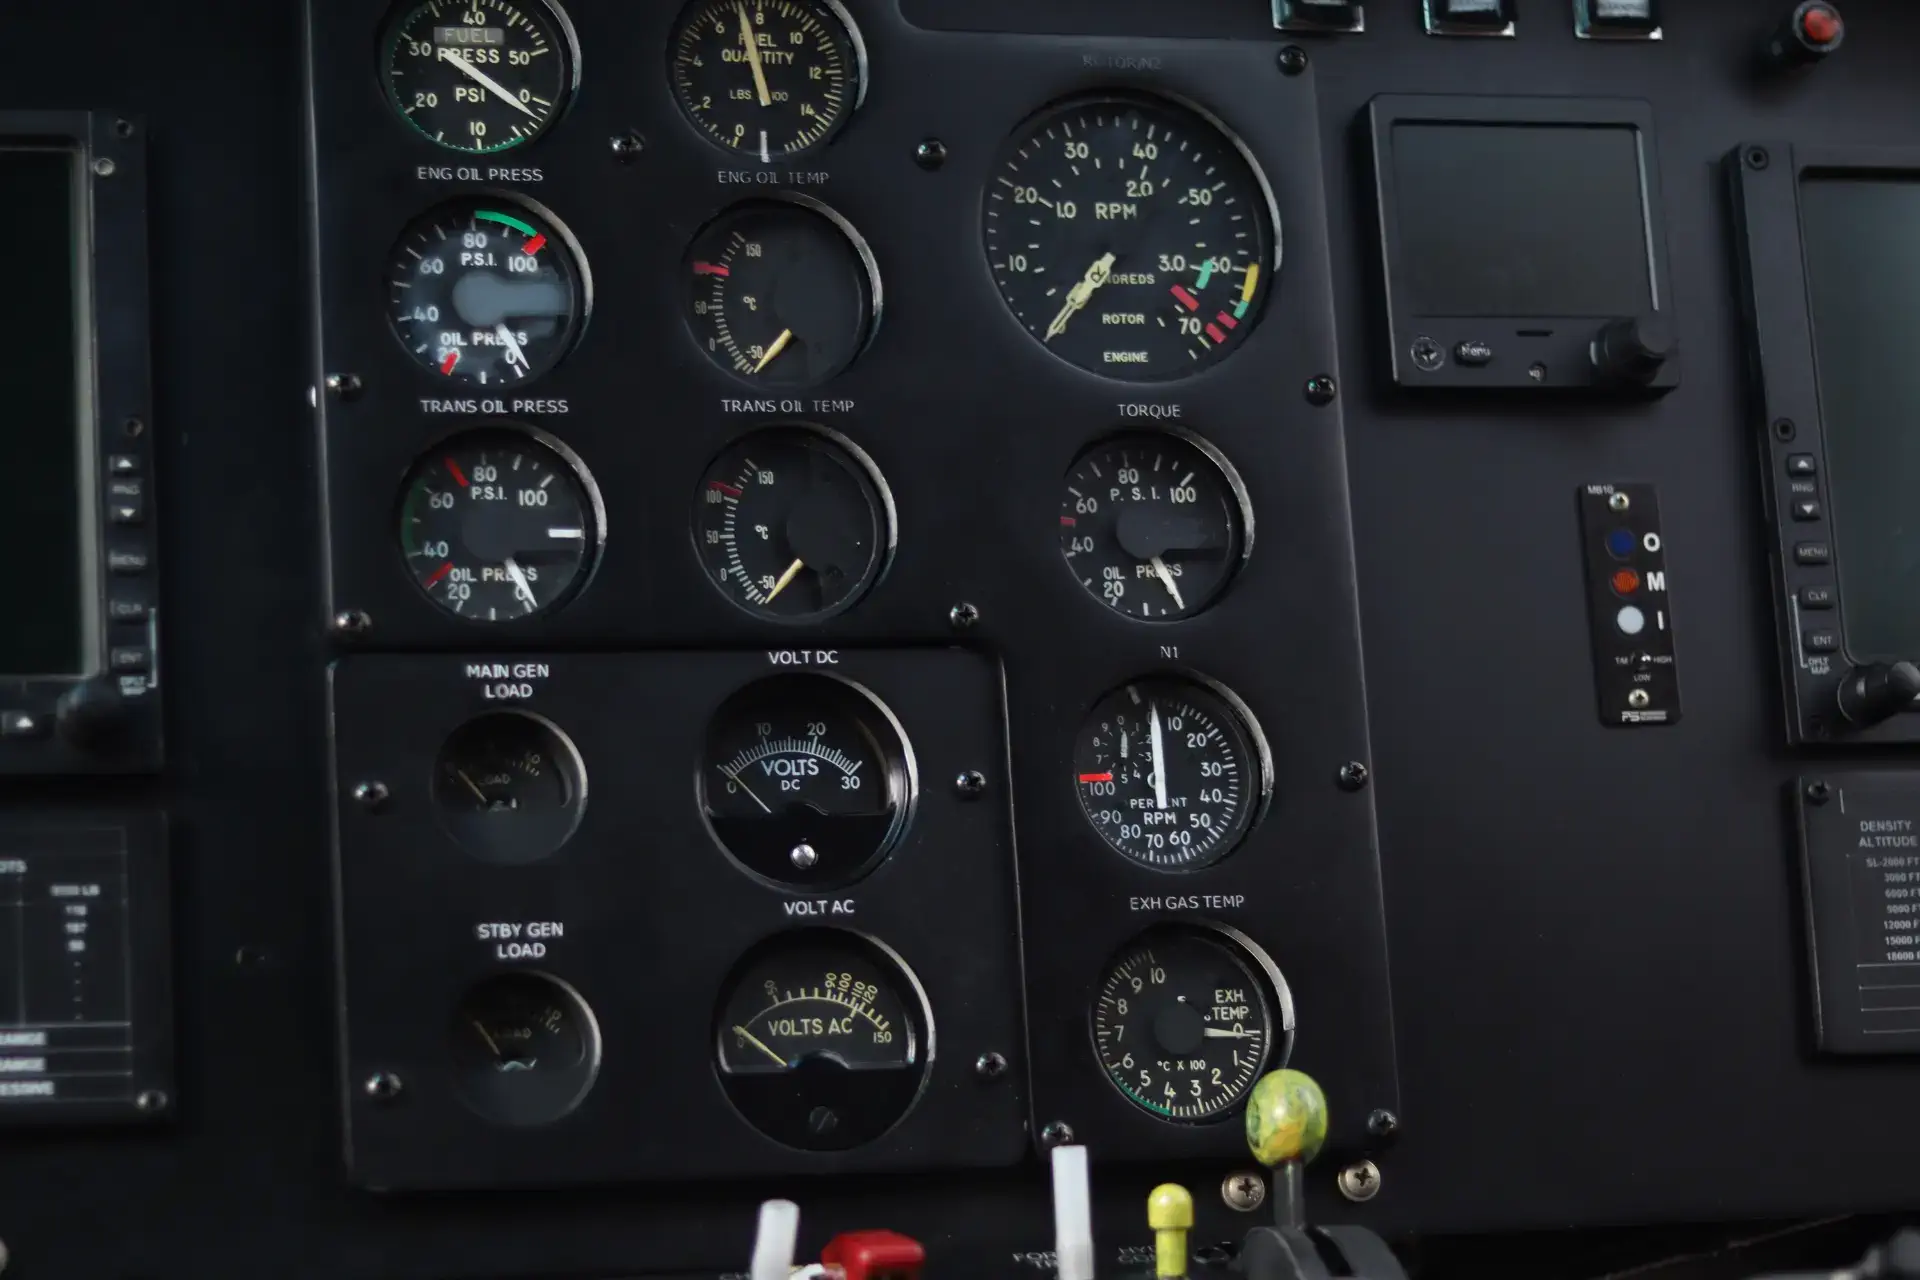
<point x="807" y="780"/>
<point x="1154" y="525"/>
<point x="487" y="293"/>
<point x="767" y="79"/>
<point x="1170" y="773"/>
<point x="823" y="1039"/>
<point x="525" y="1048"/>
<point x="1185" y="1021"/>
<point x="793" y="524"/>
<point x="510" y="787"/>
<point x="498" y="524"/>
<point x="479" y="75"/>
<point x="1131" y="237"/>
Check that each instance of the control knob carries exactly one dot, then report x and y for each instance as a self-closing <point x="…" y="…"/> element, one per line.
<point x="1878" y="691"/>
<point x="1631" y="351"/>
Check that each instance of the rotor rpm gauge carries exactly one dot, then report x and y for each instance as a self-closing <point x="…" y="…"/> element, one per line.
<point x="1153" y="525"/>
<point x="486" y="293"/>
<point x="478" y="76"/>
<point x="1183" y="1023"/>
<point x="770" y="79"/>
<point x="823" y="1039"/>
<point x="498" y="524"/>
<point x="807" y="780"/>
<point x="1131" y="237"/>
<point x="1170" y="774"/>
<point x="793" y="524"/>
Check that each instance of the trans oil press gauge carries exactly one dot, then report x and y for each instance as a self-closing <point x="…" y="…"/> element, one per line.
<point x="823" y="1039"/>
<point x="1131" y="237"/>
<point x="767" y="79"/>
<point x="486" y="292"/>
<point x="478" y="75"/>
<point x="807" y="780"/>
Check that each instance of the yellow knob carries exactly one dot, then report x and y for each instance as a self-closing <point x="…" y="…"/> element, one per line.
<point x="1286" y="1118"/>
<point x="1170" y="1213"/>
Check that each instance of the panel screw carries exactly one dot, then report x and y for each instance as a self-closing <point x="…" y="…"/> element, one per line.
<point x="963" y="615"/>
<point x="1538" y="373"/>
<point x="123" y="128"/>
<point x="151" y="1100"/>
<point x="351" y="622"/>
<point x="1382" y="1123"/>
<point x="931" y="154"/>
<point x="103" y="167"/>
<point x="371" y="795"/>
<point x="1292" y="60"/>
<point x="1353" y="776"/>
<point x="823" y="1120"/>
<point x="134" y="428"/>
<point x="1243" y="1192"/>
<point x="990" y="1066"/>
<point x="804" y="856"/>
<point x="1321" y="390"/>
<point x="1619" y="502"/>
<point x="1818" y="792"/>
<point x="1056" y="1134"/>
<point x="1427" y="353"/>
<point x="1639" y="699"/>
<point x="970" y="784"/>
<point x="1360" y="1182"/>
<point x="626" y="146"/>
<point x="344" y="385"/>
<point x="1783" y="429"/>
<point x="383" y="1086"/>
<point x="1757" y="158"/>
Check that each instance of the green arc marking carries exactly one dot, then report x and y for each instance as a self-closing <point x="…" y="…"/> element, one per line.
<point x="506" y="220"/>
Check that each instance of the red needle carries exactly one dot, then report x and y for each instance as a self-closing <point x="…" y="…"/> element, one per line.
<point x="438" y="574"/>
<point x="454" y="469"/>
<point x="534" y="245"/>
<point x="446" y="366"/>
<point x="1096" y="777"/>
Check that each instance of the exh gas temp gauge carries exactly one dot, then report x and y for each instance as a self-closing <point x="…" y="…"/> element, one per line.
<point x="478" y="75"/>
<point x="1170" y="773"/>
<point x="1186" y="1019"/>
<point x="767" y="79"/>
<point x="1131" y="237"/>
<point x="486" y="292"/>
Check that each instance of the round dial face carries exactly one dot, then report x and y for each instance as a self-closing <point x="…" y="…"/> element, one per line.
<point x="777" y="293"/>
<point x="525" y="1048"/>
<point x="819" y="1040"/>
<point x="1183" y="1025"/>
<point x="478" y="75"/>
<point x="1152" y="526"/>
<point x="496" y="525"/>
<point x="1168" y="773"/>
<point x="509" y="787"/>
<point x="1130" y="237"/>
<point x="791" y="525"/>
<point x="485" y="294"/>
<point x="806" y="780"/>
<point x="770" y="79"/>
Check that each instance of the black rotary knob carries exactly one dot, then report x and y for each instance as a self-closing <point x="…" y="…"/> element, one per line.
<point x="1631" y="351"/>
<point x="1878" y="691"/>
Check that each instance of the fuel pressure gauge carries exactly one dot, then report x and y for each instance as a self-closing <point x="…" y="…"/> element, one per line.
<point x="478" y="76"/>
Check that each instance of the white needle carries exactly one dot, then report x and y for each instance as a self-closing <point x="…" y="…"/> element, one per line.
<point x="1078" y="295"/>
<point x="735" y="778"/>
<point x="1165" y="575"/>
<point x="1214" y="1033"/>
<point x="1159" y="757"/>
<point x="753" y="59"/>
<point x="521" y="587"/>
<point x="487" y="82"/>
<point x="515" y="355"/>
<point x="1123" y="744"/>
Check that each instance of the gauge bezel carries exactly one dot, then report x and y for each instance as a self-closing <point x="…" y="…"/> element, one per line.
<point x="863" y="251"/>
<point x="1157" y="99"/>
<point x="556" y="832"/>
<point x="1241" y="717"/>
<point x="865" y="468"/>
<point x="566" y="42"/>
<point x="557" y="1106"/>
<point x="567" y="242"/>
<point x="871" y="712"/>
<point x="856" y="45"/>
<point x="1274" y="991"/>
<point x="906" y="985"/>
<point x="595" y="553"/>
<point x="1236" y="486"/>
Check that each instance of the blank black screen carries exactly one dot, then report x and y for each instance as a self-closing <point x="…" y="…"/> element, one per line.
<point x="1862" y="247"/>
<point x="40" y="511"/>
<point x="1521" y="220"/>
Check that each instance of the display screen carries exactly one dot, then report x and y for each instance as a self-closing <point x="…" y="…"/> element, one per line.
<point x="1863" y="287"/>
<point x="42" y="625"/>
<point x="1522" y="221"/>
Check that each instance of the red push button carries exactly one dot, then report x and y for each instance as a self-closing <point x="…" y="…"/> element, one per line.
<point x="1820" y="25"/>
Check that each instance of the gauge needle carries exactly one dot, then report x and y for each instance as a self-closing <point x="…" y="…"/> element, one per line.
<point x="488" y="83"/>
<point x="786" y="579"/>
<point x="738" y="782"/>
<point x="1165" y="575"/>
<point x="753" y="55"/>
<point x="491" y="1042"/>
<point x="1159" y="757"/>
<point x="753" y="1040"/>
<point x="779" y="345"/>
<point x="515" y="353"/>
<point x="1215" y="1033"/>
<point x="481" y="795"/>
<point x="521" y="587"/>
<point x="1078" y="295"/>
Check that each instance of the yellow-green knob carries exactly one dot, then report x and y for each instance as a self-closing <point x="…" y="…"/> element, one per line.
<point x="1286" y="1118"/>
<point x="1170" y="1213"/>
